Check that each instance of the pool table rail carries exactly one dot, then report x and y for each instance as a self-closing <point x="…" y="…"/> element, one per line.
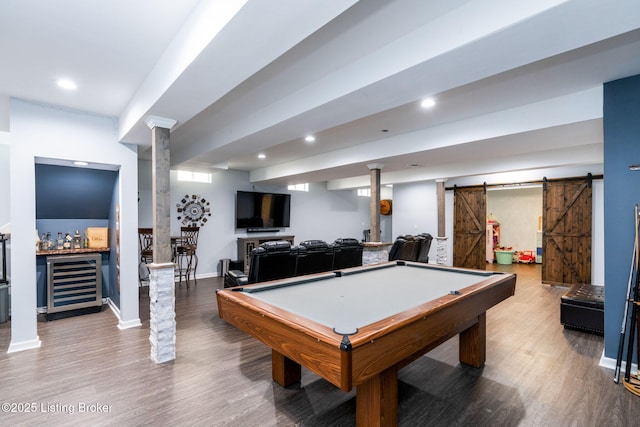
<point x="304" y="341"/>
<point x="485" y="294"/>
<point x="395" y="340"/>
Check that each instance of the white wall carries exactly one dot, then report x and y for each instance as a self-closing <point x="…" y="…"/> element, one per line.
<point x="50" y="132"/>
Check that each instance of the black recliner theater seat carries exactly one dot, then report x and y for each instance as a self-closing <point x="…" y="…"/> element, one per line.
<point x="425" y="240"/>
<point x="396" y="248"/>
<point x="409" y="251"/>
<point x="347" y="253"/>
<point x="279" y="260"/>
<point x="411" y="248"/>
<point x="314" y="256"/>
<point x="235" y="278"/>
<point x="271" y="261"/>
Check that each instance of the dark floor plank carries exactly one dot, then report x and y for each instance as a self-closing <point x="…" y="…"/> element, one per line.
<point x="537" y="373"/>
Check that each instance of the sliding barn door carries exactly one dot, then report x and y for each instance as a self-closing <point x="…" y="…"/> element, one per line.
<point x="566" y="237"/>
<point x="469" y="219"/>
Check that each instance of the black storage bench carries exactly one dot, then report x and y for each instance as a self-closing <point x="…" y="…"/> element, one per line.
<point x="582" y="307"/>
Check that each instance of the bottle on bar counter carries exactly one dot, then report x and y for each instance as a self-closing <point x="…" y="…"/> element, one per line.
<point x="60" y="241"/>
<point x="67" y="241"/>
<point x="77" y="240"/>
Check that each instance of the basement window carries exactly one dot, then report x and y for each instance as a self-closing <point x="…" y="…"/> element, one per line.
<point x="189" y="176"/>
<point x="299" y="187"/>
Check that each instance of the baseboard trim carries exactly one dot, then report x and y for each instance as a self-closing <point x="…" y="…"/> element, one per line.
<point x="129" y="324"/>
<point x="24" y="345"/>
<point x="610" y="363"/>
<point x="122" y="324"/>
<point x="207" y="275"/>
<point x="114" y="308"/>
<point x="198" y="277"/>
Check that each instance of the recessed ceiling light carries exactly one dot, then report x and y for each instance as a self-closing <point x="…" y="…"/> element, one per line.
<point x="81" y="163"/>
<point x="310" y="138"/>
<point x="66" y="84"/>
<point x="428" y="103"/>
<point x="262" y="156"/>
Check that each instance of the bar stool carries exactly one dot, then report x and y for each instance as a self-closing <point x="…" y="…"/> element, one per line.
<point x="187" y="258"/>
<point x="145" y="239"/>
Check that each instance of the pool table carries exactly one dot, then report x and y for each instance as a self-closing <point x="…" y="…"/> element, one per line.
<point x="357" y="327"/>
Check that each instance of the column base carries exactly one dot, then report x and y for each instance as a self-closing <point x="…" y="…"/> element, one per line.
<point x="163" y="312"/>
<point x="441" y="250"/>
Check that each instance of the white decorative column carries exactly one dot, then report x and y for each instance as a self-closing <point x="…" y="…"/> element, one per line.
<point x="375" y="201"/>
<point x="441" y="239"/>
<point x="161" y="272"/>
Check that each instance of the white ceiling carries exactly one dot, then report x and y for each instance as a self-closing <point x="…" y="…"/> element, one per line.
<point x="518" y="84"/>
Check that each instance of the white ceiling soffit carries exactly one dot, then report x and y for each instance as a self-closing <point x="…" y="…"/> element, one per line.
<point x="589" y="155"/>
<point x="426" y="145"/>
<point x="360" y="64"/>
<point x="516" y="81"/>
<point x="527" y="68"/>
<point x="206" y="61"/>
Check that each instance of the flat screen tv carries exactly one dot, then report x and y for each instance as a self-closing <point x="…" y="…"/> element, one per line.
<point x="262" y="210"/>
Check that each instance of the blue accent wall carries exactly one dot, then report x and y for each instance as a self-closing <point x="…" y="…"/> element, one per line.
<point x="67" y="192"/>
<point x="621" y="192"/>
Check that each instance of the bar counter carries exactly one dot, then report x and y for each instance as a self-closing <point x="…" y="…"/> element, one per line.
<point x="72" y="251"/>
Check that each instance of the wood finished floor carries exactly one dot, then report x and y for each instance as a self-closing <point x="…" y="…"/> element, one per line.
<point x="537" y="374"/>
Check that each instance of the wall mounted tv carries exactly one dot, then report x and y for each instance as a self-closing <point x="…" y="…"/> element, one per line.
<point x="255" y="210"/>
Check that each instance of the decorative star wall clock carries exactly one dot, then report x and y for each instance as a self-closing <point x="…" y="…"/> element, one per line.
<point x="193" y="210"/>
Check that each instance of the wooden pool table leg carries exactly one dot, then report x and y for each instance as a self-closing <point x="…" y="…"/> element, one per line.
<point x="377" y="400"/>
<point x="473" y="343"/>
<point x="284" y="371"/>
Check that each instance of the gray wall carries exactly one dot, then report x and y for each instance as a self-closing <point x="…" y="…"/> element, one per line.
<point x="318" y="214"/>
<point x="517" y="212"/>
<point x="415" y="209"/>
